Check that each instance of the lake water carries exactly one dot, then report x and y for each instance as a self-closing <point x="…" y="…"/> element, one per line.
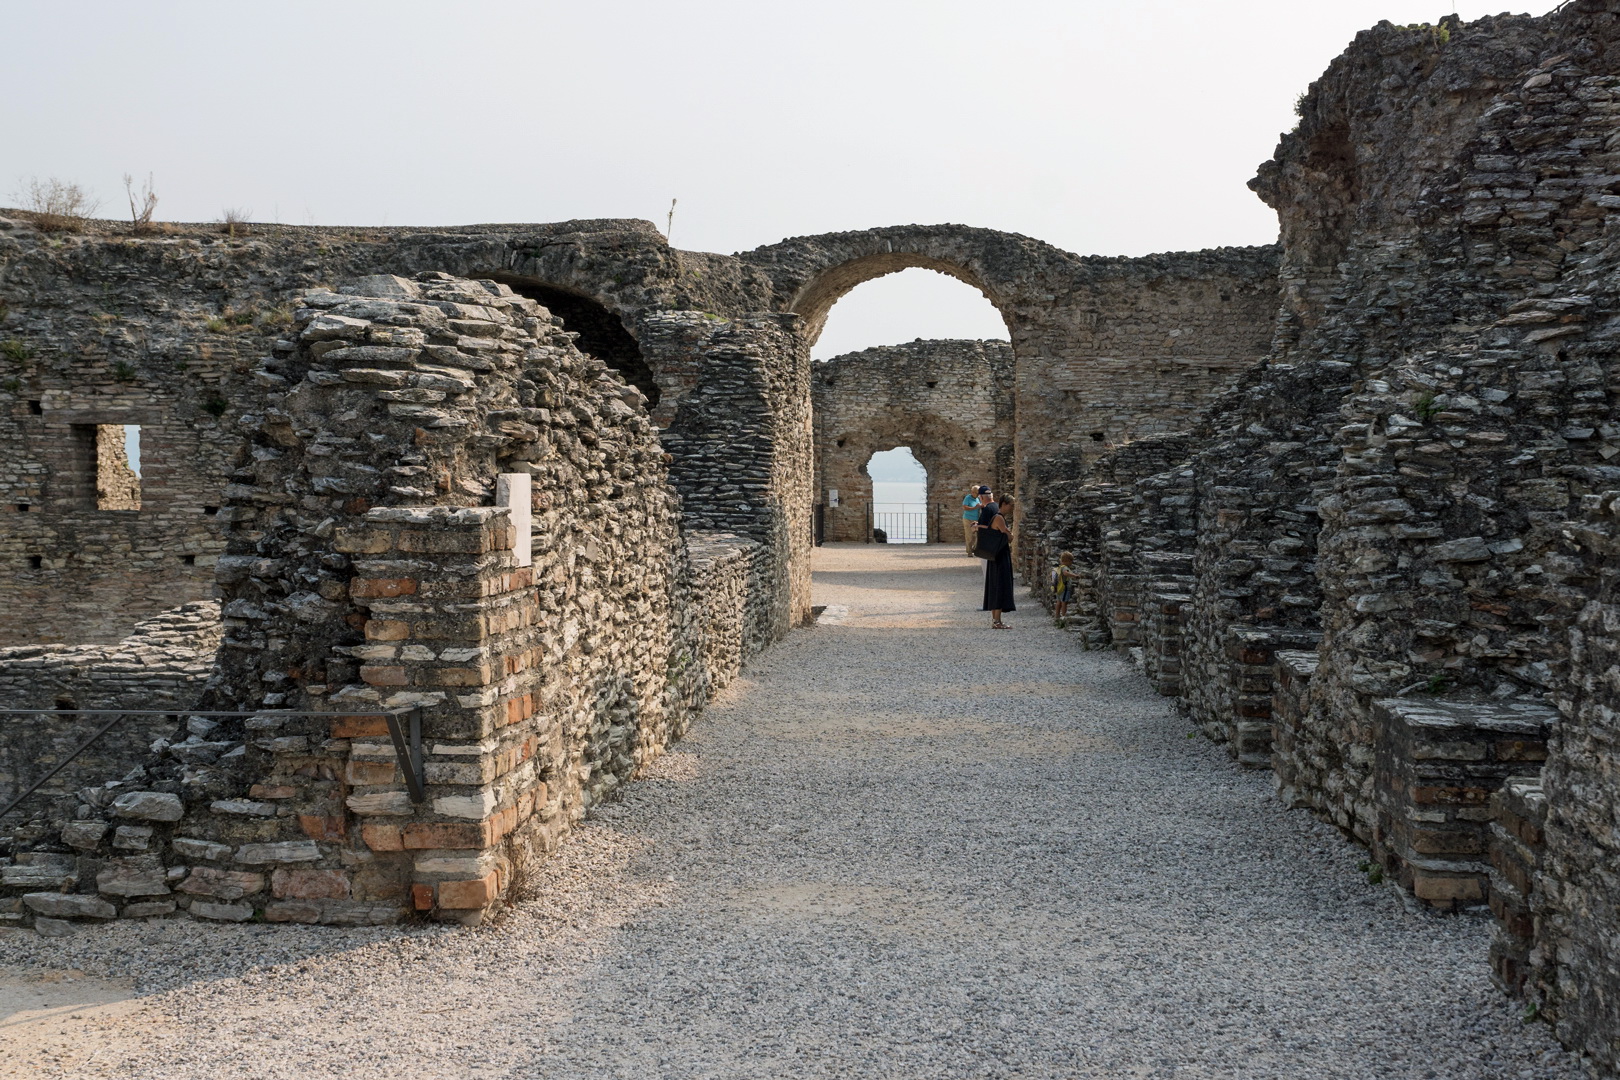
<point x="894" y="498"/>
<point x="909" y="497"/>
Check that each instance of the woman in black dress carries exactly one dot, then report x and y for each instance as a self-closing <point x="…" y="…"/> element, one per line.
<point x="998" y="575"/>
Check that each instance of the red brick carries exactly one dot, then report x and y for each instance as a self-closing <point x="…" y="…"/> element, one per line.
<point x="384" y="675"/>
<point x="317" y="827"/>
<point x="356" y="727"/>
<point x="382" y="837"/>
<point x="381" y="588"/>
<point x="444" y="834"/>
<point x="466" y="895"/>
<point x="422" y="897"/>
<point x="289" y="883"/>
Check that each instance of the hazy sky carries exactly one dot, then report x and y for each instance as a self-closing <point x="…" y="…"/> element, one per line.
<point x="1100" y="126"/>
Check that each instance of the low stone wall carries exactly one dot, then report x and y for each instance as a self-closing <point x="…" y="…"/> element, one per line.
<point x="1439" y="765"/>
<point x="163" y="664"/>
<point x="1517" y="840"/>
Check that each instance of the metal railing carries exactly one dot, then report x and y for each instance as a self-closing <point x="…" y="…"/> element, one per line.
<point x="902" y="527"/>
<point x="404" y="728"/>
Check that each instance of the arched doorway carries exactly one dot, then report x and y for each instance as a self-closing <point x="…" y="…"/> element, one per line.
<point x="949" y="401"/>
<point x="899" y="491"/>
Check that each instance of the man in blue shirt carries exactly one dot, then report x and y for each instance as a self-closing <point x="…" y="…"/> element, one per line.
<point x="976" y="497"/>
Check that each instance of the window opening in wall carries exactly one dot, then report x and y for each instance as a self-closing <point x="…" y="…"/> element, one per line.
<point x="899" y="496"/>
<point x="973" y="444"/>
<point x="932" y="384"/>
<point x="117" y="457"/>
<point x="22" y="508"/>
<point x="36" y="562"/>
<point x="210" y="510"/>
<point x="601" y="333"/>
<point x="1097" y="436"/>
<point x="189" y="560"/>
<point x="36" y="408"/>
<point x="64" y="703"/>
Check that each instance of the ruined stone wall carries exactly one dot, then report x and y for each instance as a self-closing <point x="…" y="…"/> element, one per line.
<point x="741" y="458"/>
<point x="367" y="570"/>
<point x="1419" y="476"/>
<point x="161" y="665"/>
<point x="951" y="402"/>
<point x="93" y="337"/>
<point x="1108" y="349"/>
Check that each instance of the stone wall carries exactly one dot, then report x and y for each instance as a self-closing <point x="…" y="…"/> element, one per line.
<point x="1419" y="477"/>
<point x="951" y="402"/>
<point x="161" y="665"/>
<point x="367" y="571"/>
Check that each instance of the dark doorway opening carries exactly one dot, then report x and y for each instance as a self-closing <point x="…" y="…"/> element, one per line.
<point x="601" y="333"/>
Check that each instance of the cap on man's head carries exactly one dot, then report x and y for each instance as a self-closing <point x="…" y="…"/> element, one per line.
<point x="983" y="490"/>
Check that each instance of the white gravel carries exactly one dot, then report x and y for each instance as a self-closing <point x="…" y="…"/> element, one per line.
<point x="902" y="847"/>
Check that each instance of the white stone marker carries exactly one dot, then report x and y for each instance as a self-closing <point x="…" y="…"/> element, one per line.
<point x="512" y="491"/>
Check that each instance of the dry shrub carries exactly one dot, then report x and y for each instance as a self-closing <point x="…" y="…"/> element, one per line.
<point x="56" y="205"/>
<point x="234" y="221"/>
<point x="141" y="205"/>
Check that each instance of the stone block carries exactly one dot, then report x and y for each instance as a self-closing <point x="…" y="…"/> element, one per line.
<point x="204" y="909"/>
<point x="47" y="876"/>
<point x="84" y="835"/>
<point x="242" y="808"/>
<point x="148" y="908"/>
<point x="132" y="837"/>
<point x="222" y="884"/>
<point x="48" y="927"/>
<point x="292" y="911"/>
<point x="286" y="851"/>
<point x="383" y="837"/>
<point x="359" y="727"/>
<point x="310" y="884"/>
<point x="195" y="850"/>
<point x="149" y="806"/>
<point x="384" y="675"/>
<point x="139" y="875"/>
<point x="1445" y="889"/>
<point x="69" y="905"/>
<point x="381" y="588"/>
<point x="381" y="803"/>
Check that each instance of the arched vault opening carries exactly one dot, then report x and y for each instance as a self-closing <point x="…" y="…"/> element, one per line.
<point x="816" y="299"/>
<point x="601" y="332"/>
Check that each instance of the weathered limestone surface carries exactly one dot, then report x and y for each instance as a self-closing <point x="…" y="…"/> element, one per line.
<point x="951" y="402"/>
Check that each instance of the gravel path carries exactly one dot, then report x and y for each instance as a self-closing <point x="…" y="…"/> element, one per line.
<point x="901" y="847"/>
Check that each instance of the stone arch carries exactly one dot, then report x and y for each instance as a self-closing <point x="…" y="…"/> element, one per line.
<point x="815" y="301"/>
<point x="811" y="273"/>
<point x="951" y="402"/>
<point x="602" y="333"/>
